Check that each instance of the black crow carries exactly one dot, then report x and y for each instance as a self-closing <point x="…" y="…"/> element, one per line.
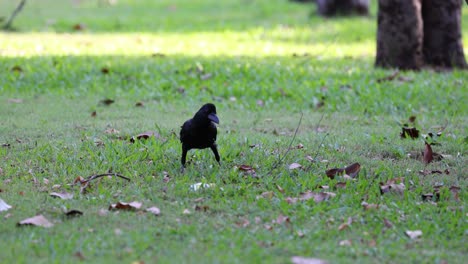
<point x="200" y="132"/>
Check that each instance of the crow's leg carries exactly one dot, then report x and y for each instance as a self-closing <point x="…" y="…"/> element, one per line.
<point x="214" y="148"/>
<point x="184" y="156"/>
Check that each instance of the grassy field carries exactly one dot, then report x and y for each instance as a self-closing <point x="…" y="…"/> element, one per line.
<point x="265" y="64"/>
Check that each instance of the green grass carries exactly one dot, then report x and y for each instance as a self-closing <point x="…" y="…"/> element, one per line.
<point x="252" y="50"/>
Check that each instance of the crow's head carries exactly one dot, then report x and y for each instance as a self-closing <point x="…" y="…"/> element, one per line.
<point x="207" y="113"/>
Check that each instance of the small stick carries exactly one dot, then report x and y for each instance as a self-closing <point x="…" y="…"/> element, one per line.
<point x="281" y="158"/>
<point x="18" y="9"/>
<point x="93" y="177"/>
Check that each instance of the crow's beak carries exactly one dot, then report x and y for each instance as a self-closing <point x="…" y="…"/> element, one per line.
<point x="214" y="118"/>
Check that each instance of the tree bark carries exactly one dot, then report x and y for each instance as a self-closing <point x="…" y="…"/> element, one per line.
<point x="442" y="44"/>
<point x="330" y="8"/>
<point x="399" y="34"/>
<point x="412" y="33"/>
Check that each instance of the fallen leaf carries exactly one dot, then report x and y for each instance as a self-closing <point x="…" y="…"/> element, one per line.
<point x="410" y="132"/>
<point x="304" y="260"/>
<point x="206" y="76"/>
<point x="427" y="156"/>
<point x="202" y="208"/>
<point x="186" y="212"/>
<point x="16" y="68"/>
<point x="4" y="206"/>
<point x="105" y="70"/>
<point x="318" y="197"/>
<point x="15" y="101"/>
<point x="243" y="222"/>
<point x="455" y="190"/>
<point x="368" y="206"/>
<point x="300" y="146"/>
<point x="395" y="185"/>
<point x="346" y="242"/>
<point x="412" y="119"/>
<point x="282" y="219"/>
<point x="387" y="223"/>
<point x="73" y="213"/>
<point x="62" y="195"/>
<point x="93" y="114"/>
<point x="6" y="145"/>
<point x="154" y="210"/>
<point x="112" y="131"/>
<point x="247" y="170"/>
<point x="351" y="170"/>
<point x="79" y="255"/>
<point x="125" y="206"/>
<point x="106" y="101"/>
<point x="197" y="186"/>
<point x="38" y="220"/>
<point x="79" y="27"/>
<point x="145" y="135"/>
<point x="266" y="195"/>
<point x="295" y="166"/>
<point x="414" y="234"/>
<point x="139" y="104"/>
<point x="281" y="190"/>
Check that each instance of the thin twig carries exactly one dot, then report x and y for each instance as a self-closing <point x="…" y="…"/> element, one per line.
<point x="18" y="9"/>
<point x="281" y="158"/>
<point x="93" y="177"/>
<point x="88" y="180"/>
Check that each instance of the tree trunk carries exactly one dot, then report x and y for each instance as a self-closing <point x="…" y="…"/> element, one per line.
<point x="399" y="34"/>
<point x="442" y="44"/>
<point x="414" y="32"/>
<point x="342" y="7"/>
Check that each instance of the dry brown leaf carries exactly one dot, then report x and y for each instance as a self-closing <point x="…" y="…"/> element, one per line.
<point x="4" y="206"/>
<point x="107" y="101"/>
<point x="145" y="135"/>
<point x="410" y="132"/>
<point x="154" y="210"/>
<point x="294" y="166"/>
<point x="247" y="170"/>
<point x="304" y="260"/>
<point x="318" y="197"/>
<point x="125" y="206"/>
<point x="93" y="114"/>
<point x="105" y="70"/>
<point x="73" y="213"/>
<point x="427" y="156"/>
<point x="139" y="104"/>
<point x="455" y="190"/>
<point x="243" y="222"/>
<point x="16" y="68"/>
<point x="79" y="27"/>
<point x="387" y="223"/>
<point x="186" y="212"/>
<point x="62" y="195"/>
<point x="414" y="234"/>
<point x="282" y="219"/>
<point x="38" y="220"/>
<point x="112" y="131"/>
<point x="395" y="185"/>
<point x="79" y="255"/>
<point x="281" y="190"/>
<point x="346" y="242"/>
<point x="202" y="208"/>
<point x="368" y="206"/>
<point x="351" y="170"/>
